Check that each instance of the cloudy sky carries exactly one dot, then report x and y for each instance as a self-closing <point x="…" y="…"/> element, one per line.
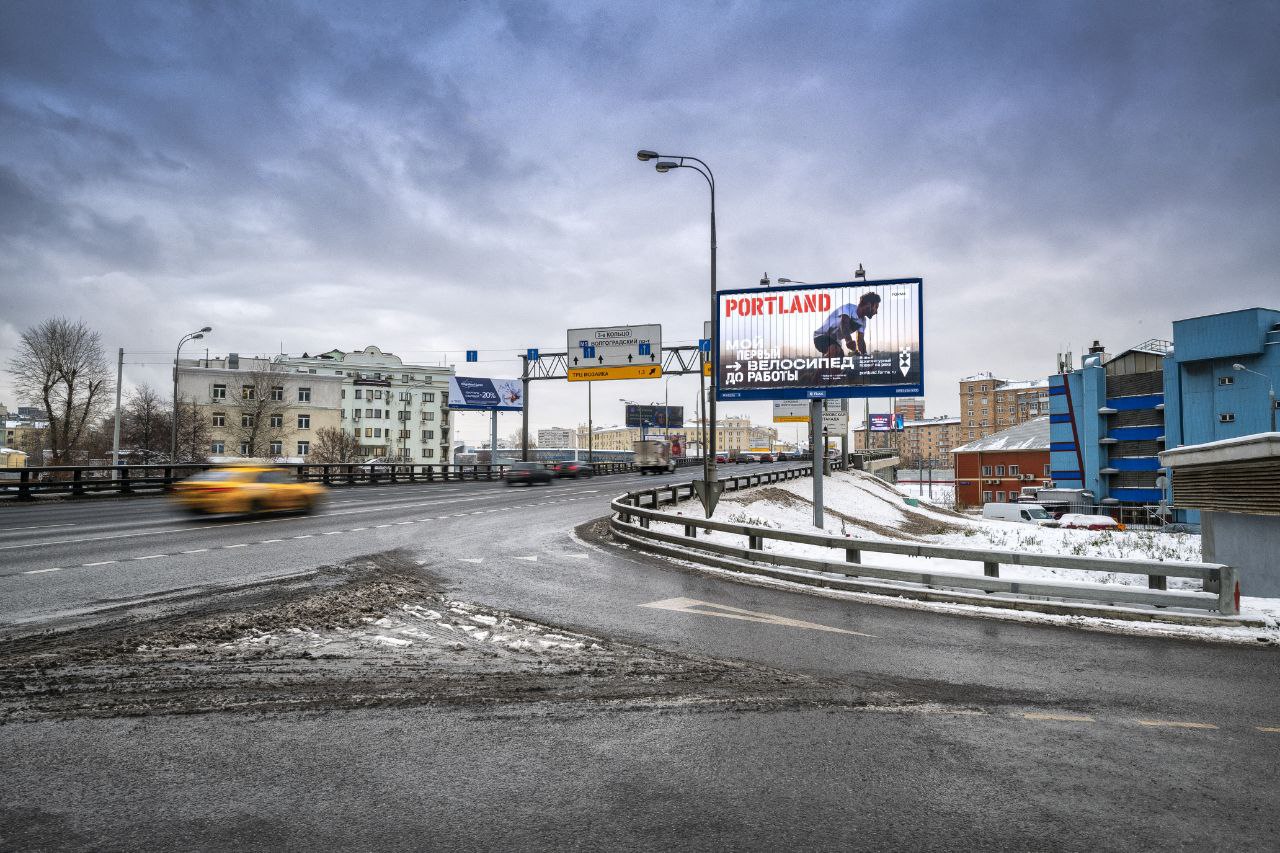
<point x="433" y="177"/>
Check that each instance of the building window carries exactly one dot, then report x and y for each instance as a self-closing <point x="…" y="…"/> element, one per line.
<point x="355" y="414"/>
<point x="428" y="434"/>
<point x="304" y="421"/>
<point x="220" y="419"/>
<point x="377" y="395"/>
<point x="277" y="421"/>
<point x="344" y="393"/>
<point x="216" y="449"/>
<point x="277" y="448"/>
<point x="1227" y="418"/>
<point x="428" y="453"/>
<point x="246" y="421"/>
<point x="377" y="432"/>
<point x="1013" y="471"/>
<point x="1000" y="497"/>
<point x="1048" y="471"/>
<point x="369" y="413"/>
<point x="986" y="470"/>
<point x="983" y="389"/>
<point x="428" y="416"/>
<point x="368" y="432"/>
<point x="999" y="470"/>
<point x="248" y="392"/>
<point x="1226" y="380"/>
<point x="277" y="392"/>
<point x="304" y="447"/>
<point x="304" y="395"/>
<point x="244" y="448"/>
<point x="986" y="496"/>
<point x="359" y="393"/>
<point x="219" y="392"/>
<point x="386" y="413"/>
<point x="428" y="396"/>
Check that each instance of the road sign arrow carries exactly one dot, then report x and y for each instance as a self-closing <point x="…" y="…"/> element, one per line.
<point x="601" y="359"/>
<point x="575" y="359"/>
<point x="628" y="359"/>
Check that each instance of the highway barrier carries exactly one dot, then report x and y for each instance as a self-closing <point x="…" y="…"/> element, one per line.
<point x="634" y="513"/>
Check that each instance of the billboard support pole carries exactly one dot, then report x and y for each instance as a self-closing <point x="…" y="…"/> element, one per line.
<point x="819" y="457"/>
<point x="591" y="435"/>
<point x="493" y="438"/>
<point x="524" y="415"/>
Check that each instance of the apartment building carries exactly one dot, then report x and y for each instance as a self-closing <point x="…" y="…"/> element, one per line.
<point x="733" y="434"/>
<point x="557" y="438"/>
<point x="259" y="407"/>
<point x="919" y="442"/>
<point x="989" y="404"/>
<point x="396" y="411"/>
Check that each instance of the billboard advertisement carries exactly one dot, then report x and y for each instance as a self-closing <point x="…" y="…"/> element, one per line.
<point x="881" y="423"/>
<point x="655" y="416"/>
<point x="847" y="339"/>
<point x="482" y="394"/>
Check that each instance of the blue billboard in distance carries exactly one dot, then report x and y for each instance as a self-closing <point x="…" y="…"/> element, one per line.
<point x="483" y="394"/>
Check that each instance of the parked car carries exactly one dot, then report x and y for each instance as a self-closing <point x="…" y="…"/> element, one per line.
<point x="1080" y="521"/>
<point x="572" y="469"/>
<point x="529" y="473"/>
<point x="720" y="457"/>
<point x="248" y="490"/>
<point x="767" y="457"/>
<point x="1023" y="513"/>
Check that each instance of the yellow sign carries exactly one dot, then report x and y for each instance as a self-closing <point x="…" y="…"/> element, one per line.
<point x="706" y="368"/>
<point x="625" y="371"/>
<point x="789" y="419"/>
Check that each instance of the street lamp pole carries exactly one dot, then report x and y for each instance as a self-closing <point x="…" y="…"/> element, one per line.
<point x="173" y="438"/>
<point x="667" y="162"/>
<point x="1271" y="391"/>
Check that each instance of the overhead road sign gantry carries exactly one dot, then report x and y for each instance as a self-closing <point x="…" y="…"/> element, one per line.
<point x="838" y="340"/>
<point x="614" y="352"/>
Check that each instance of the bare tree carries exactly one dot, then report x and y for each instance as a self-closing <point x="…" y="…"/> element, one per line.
<point x="61" y="366"/>
<point x="146" y="423"/>
<point x="193" y="432"/>
<point x="334" y="444"/>
<point x="259" y="409"/>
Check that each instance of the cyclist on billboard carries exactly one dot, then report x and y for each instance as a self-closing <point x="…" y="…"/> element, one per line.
<point x="848" y="323"/>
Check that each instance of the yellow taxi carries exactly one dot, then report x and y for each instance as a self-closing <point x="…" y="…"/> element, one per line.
<point x="247" y="489"/>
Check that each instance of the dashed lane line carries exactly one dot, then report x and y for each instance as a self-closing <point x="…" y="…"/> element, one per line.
<point x="149" y="557"/>
<point x="238" y="545"/>
<point x="331" y="533"/>
<point x="1175" y="724"/>
<point x="103" y="563"/>
<point x="42" y="571"/>
<point x="37" y="527"/>
<point x="196" y="551"/>
<point x="269" y="541"/>
<point x="305" y="536"/>
<point x="1064" y="718"/>
<point x="1275" y="730"/>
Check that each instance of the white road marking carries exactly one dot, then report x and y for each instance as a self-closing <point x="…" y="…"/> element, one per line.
<point x="1175" y="724"/>
<point x="151" y="557"/>
<point x="42" y="571"/>
<point x="1269" y="729"/>
<point x="577" y="556"/>
<point x="1064" y="718"/>
<point x="37" y="527"/>
<point x="689" y="605"/>
<point x="402" y="523"/>
<point x="269" y="541"/>
<point x="378" y="526"/>
<point x="472" y="559"/>
<point x="331" y="533"/>
<point x="304" y="536"/>
<point x="241" y="545"/>
<point x="196" y="551"/>
<point x="103" y="563"/>
<point x="357" y="529"/>
<point x="533" y="559"/>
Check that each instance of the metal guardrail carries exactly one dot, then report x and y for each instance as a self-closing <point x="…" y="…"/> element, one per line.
<point x="79" y="480"/>
<point x="1221" y="583"/>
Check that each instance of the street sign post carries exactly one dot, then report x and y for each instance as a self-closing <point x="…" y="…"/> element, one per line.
<point x="614" y="352"/>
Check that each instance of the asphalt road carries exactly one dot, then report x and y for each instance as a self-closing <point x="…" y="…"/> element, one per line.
<point x="1001" y="736"/>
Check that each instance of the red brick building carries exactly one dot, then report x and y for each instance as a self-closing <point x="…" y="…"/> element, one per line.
<point x="994" y="468"/>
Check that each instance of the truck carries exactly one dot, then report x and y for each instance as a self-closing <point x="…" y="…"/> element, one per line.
<point x="653" y="456"/>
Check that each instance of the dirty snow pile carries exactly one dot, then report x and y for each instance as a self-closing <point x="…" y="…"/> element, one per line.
<point x="861" y="506"/>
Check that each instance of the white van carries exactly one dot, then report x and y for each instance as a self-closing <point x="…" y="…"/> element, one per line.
<point x="1023" y="513"/>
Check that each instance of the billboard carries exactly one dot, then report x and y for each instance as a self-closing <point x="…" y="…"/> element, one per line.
<point x="613" y="352"/>
<point x="847" y="339"/>
<point x="482" y="394"/>
<point x="882" y="423"/>
<point x="655" y="416"/>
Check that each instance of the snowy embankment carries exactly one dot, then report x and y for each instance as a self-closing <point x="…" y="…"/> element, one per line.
<point x="861" y="506"/>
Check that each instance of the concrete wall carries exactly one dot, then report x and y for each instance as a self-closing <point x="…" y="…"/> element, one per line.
<point x="1251" y="543"/>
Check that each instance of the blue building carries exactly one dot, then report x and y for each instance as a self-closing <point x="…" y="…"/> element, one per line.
<point x="1112" y="416"/>
<point x="1106" y="424"/>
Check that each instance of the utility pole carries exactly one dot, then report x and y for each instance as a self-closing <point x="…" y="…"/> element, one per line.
<point x="115" y="440"/>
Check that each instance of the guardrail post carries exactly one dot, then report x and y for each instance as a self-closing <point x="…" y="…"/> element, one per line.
<point x="644" y="522"/>
<point x="691" y="531"/>
<point x="1157" y="582"/>
<point x="1229" y="591"/>
<point x="991" y="570"/>
<point x="852" y="555"/>
<point x="755" y="543"/>
<point x="24" y="485"/>
<point x="122" y="476"/>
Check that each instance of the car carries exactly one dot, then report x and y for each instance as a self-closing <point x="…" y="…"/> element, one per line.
<point x="529" y="473"/>
<point x="572" y="469"/>
<point x="766" y="457"/>
<point x="1081" y="521"/>
<point x="720" y="457"/>
<point x="1019" y="512"/>
<point x="246" y="490"/>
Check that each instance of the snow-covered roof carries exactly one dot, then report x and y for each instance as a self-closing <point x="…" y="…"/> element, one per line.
<point x="931" y="422"/>
<point x="1024" y="383"/>
<point x="977" y="377"/>
<point x="1030" y="435"/>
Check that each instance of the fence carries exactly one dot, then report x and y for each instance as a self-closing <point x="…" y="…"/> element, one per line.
<point x="1220" y="583"/>
<point x="79" y="480"/>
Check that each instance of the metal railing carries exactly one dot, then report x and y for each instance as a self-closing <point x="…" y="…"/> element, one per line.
<point x="1220" y="583"/>
<point x="80" y="480"/>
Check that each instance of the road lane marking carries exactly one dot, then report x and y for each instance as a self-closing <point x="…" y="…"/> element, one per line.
<point x="42" y="571"/>
<point x="304" y="536"/>
<point x="472" y="559"/>
<point x="378" y="526"/>
<point x="706" y="608"/>
<point x="331" y="533"/>
<point x="402" y="523"/>
<point x="1270" y="729"/>
<point x="151" y="557"/>
<point x="577" y="556"/>
<point x="241" y="545"/>
<point x="1175" y="724"/>
<point x="37" y="527"/>
<point x="532" y="559"/>
<point x="269" y="541"/>
<point x="196" y="551"/>
<point x="357" y="529"/>
<point x="1063" y="718"/>
<point x="103" y="563"/>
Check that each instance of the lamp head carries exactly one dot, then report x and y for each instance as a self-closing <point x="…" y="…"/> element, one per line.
<point x="764" y="282"/>
<point x="666" y="165"/>
<point x="860" y="272"/>
<point x="197" y="336"/>
<point x="646" y="155"/>
<point x="207" y="329"/>
<point x="1237" y="367"/>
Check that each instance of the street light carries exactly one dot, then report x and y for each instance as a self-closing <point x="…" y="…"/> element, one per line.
<point x="791" y="281"/>
<point x="676" y="161"/>
<point x="173" y="438"/>
<point x="1271" y="391"/>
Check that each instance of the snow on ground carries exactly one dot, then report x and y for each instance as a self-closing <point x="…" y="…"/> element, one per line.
<point x="861" y="506"/>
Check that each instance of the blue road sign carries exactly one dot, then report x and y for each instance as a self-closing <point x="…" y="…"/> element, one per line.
<point x="588" y="351"/>
<point x="704" y="345"/>
<point x="531" y="354"/>
<point x="644" y="348"/>
<point x="473" y="355"/>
